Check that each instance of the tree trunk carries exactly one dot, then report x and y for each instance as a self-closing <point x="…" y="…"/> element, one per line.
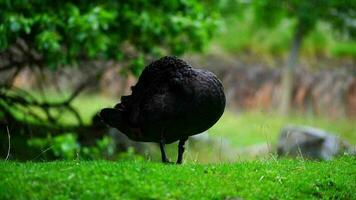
<point x="289" y="69"/>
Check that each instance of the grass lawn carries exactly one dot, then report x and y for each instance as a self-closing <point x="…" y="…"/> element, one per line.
<point x="269" y="179"/>
<point x="258" y="127"/>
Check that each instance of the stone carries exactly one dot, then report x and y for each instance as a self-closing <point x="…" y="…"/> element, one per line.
<point x="309" y="142"/>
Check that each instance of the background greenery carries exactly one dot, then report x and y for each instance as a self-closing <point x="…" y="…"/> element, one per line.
<point x="42" y="35"/>
<point x="266" y="27"/>
<point x="43" y="38"/>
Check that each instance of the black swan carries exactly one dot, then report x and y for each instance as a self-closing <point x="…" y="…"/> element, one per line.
<point x="171" y="101"/>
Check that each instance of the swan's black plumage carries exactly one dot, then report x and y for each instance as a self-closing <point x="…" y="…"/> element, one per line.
<point x="171" y="101"/>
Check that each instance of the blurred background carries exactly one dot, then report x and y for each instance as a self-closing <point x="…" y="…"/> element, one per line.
<point x="288" y="69"/>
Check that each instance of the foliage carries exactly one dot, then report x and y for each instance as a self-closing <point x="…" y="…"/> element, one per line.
<point x="269" y="179"/>
<point x="66" y="146"/>
<point x="42" y="34"/>
<point x="61" y="33"/>
<point x="130" y="155"/>
<point x="62" y="146"/>
<point x="345" y="49"/>
<point x="103" y="148"/>
<point x="86" y="105"/>
<point x="308" y="13"/>
<point x="250" y="26"/>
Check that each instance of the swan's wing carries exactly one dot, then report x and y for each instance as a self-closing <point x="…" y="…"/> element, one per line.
<point x="154" y="77"/>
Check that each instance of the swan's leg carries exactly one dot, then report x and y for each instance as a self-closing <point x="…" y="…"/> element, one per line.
<point x="181" y="149"/>
<point x="163" y="151"/>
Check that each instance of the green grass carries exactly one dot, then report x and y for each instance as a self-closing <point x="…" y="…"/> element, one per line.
<point x="269" y="179"/>
<point x="258" y="127"/>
